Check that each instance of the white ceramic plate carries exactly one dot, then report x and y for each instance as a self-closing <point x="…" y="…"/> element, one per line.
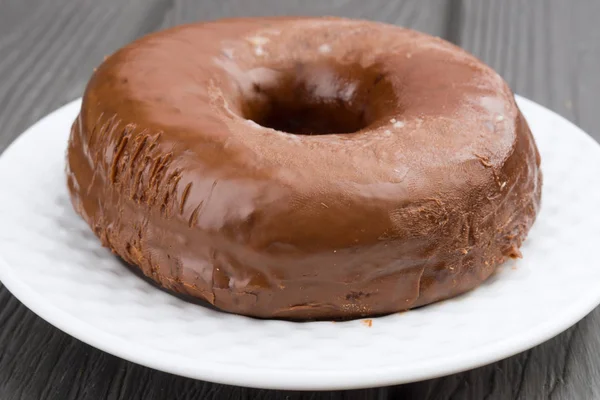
<point x="50" y="260"/>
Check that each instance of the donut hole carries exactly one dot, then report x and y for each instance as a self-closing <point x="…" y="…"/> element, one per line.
<point x="311" y="118"/>
<point x="316" y="99"/>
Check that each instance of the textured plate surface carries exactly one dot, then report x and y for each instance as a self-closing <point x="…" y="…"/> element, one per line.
<point x="51" y="261"/>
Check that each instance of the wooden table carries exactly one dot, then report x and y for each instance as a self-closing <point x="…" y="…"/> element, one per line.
<point x="548" y="50"/>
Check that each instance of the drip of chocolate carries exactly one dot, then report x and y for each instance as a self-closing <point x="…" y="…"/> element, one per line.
<point x="304" y="168"/>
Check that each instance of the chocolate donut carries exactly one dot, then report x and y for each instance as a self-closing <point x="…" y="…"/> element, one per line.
<point x="304" y="168"/>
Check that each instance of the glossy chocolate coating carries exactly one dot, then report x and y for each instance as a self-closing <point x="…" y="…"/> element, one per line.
<point x="406" y="175"/>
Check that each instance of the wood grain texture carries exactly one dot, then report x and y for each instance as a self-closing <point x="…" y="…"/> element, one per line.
<point x="548" y="50"/>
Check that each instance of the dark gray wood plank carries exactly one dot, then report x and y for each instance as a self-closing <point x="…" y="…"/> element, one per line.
<point x="548" y="50"/>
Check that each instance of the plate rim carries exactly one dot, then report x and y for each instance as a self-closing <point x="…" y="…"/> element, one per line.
<point x="292" y="379"/>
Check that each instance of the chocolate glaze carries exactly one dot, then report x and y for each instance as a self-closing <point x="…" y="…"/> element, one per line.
<point x="406" y="175"/>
